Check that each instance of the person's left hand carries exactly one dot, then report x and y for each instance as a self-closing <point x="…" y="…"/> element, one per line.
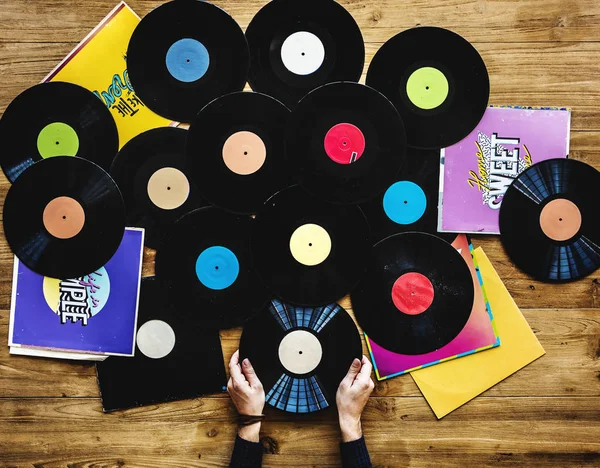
<point x="247" y="393"/>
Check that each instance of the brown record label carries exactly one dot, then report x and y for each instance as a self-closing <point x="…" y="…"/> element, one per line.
<point x="300" y="352"/>
<point x="560" y="219"/>
<point x="168" y="188"/>
<point x="244" y="153"/>
<point x="63" y="217"/>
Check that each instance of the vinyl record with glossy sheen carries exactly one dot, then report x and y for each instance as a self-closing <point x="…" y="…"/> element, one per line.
<point x="235" y="151"/>
<point x="346" y="142"/>
<point x="438" y="82"/>
<point x="417" y="294"/>
<point x="205" y="262"/>
<point x="549" y="221"/>
<point x="410" y="202"/>
<point x="301" y="354"/>
<point x="169" y="350"/>
<point x="308" y="251"/>
<point x="184" y="54"/>
<point x="157" y="189"/>
<point x="64" y="217"/>
<point x="56" y="119"/>
<point x="298" y="46"/>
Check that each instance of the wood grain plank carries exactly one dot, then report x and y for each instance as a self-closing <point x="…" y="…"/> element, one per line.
<point x="191" y="432"/>
<point x="571" y="339"/>
<point x="477" y="20"/>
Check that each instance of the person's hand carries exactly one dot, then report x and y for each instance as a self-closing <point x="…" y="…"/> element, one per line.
<point x="247" y="394"/>
<point x="352" y="396"/>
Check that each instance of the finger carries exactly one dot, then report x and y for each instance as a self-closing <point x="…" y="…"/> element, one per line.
<point x="365" y="371"/>
<point x="234" y="367"/>
<point x="250" y="373"/>
<point x="352" y="373"/>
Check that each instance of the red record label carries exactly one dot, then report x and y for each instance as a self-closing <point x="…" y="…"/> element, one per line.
<point x="412" y="293"/>
<point x="344" y="143"/>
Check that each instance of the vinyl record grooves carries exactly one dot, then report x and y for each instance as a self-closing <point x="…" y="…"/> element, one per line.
<point x="301" y="354"/>
<point x="204" y="260"/>
<point x="184" y="54"/>
<point x="410" y="202"/>
<point x="417" y="294"/>
<point x="549" y="223"/>
<point x="235" y="151"/>
<point x="64" y="217"/>
<point x="438" y="82"/>
<point x="298" y="46"/>
<point x="346" y="142"/>
<point x="307" y="251"/>
<point x="156" y="187"/>
<point x="169" y="347"/>
<point x="56" y="119"/>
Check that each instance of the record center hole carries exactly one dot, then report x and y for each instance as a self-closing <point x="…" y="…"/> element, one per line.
<point x="64" y="217"/>
<point x="168" y="188"/>
<point x="405" y="202"/>
<point x="57" y="143"/>
<point x="303" y="54"/>
<point x="560" y="219"/>
<point x="245" y="153"/>
<point x="299" y="352"/>
<point x="188" y="60"/>
<point x="310" y="244"/>
<point x="427" y="88"/>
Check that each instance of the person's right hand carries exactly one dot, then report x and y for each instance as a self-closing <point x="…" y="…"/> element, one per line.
<point x="352" y="396"/>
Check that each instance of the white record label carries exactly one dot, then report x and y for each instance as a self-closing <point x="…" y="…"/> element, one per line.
<point x="302" y="53"/>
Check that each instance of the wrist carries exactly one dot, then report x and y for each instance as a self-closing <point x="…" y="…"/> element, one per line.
<point x="351" y="429"/>
<point x="251" y="433"/>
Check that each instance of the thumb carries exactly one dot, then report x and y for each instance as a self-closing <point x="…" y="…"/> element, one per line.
<point x="352" y="372"/>
<point x="250" y="373"/>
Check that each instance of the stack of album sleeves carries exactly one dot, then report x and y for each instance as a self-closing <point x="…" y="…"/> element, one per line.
<point x="270" y="206"/>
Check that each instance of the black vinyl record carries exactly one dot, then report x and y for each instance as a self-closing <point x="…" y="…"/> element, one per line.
<point x="346" y="142"/>
<point x="298" y="46"/>
<point x="56" y="119"/>
<point x="184" y="54"/>
<point x="308" y="251"/>
<point x="169" y="350"/>
<point x="205" y="262"/>
<point x="438" y="82"/>
<point x="156" y="187"/>
<point x="301" y="354"/>
<point x="235" y="151"/>
<point x="410" y="202"/>
<point x="64" y="217"/>
<point x="549" y="221"/>
<point x="417" y="294"/>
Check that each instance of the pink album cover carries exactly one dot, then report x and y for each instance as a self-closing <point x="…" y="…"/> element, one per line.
<point x="476" y="171"/>
<point x="478" y="334"/>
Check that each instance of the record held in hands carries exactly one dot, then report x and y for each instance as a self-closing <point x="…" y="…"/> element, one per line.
<point x="417" y="294"/>
<point x="300" y="354"/>
<point x="308" y="251"/>
<point x="410" y="202"/>
<point x="235" y="151"/>
<point x="157" y="189"/>
<point x="204" y="260"/>
<point x="184" y="54"/>
<point x="64" y="217"/>
<point x="56" y="119"/>
<point x="346" y="142"/>
<point x="549" y="223"/>
<point x="438" y="82"/>
<point x="298" y="46"/>
<point x="169" y="347"/>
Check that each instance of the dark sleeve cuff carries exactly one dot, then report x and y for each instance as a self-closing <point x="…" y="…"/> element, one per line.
<point x="355" y="454"/>
<point x="246" y="454"/>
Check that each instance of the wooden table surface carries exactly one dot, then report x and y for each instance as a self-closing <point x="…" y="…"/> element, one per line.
<point x="538" y="53"/>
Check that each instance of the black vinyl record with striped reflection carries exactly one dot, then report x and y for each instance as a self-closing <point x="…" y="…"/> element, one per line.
<point x="301" y="354"/>
<point x="549" y="221"/>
